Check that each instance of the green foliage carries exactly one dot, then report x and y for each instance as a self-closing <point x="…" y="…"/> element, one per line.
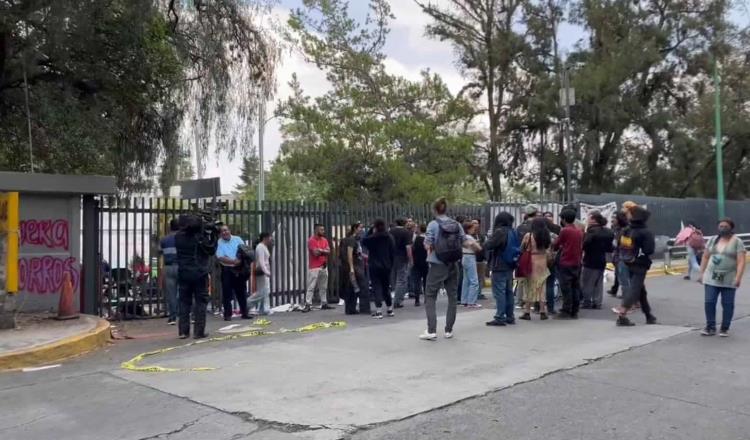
<point x="108" y="81"/>
<point x="374" y="136"/>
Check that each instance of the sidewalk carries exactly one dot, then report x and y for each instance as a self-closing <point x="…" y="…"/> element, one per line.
<point x="40" y="340"/>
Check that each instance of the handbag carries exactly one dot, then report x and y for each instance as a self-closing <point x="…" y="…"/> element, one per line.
<point x="524" y="265"/>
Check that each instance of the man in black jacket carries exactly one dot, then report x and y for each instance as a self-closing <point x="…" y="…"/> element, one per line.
<point x="636" y="248"/>
<point x="597" y="243"/>
<point x="194" y="248"/>
<point x="502" y="271"/>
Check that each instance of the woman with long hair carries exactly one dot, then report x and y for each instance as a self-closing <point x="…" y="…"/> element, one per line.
<point x="352" y="275"/>
<point x="538" y="242"/>
<point x="470" y="284"/>
<point x="381" y="251"/>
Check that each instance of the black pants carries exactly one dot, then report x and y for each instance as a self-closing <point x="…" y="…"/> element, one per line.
<point x="193" y="296"/>
<point x="420" y="281"/>
<point x="637" y="292"/>
<point x="460" y="281"/>
<point x="233" y="285"/>
<point x="350" y="296"/>
<point x="381" y="284"/>
<point x="570" y="286"/>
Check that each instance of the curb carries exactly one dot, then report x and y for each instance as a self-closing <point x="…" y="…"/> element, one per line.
<point x="58" y="350"/>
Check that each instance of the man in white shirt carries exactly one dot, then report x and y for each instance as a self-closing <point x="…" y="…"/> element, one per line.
<point x="262" y="273"/>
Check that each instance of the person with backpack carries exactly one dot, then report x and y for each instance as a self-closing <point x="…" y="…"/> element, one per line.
<point x="636" y="247"/>
<point x="722" y="268"/>
<point x="692" y="238"/>
<point x="381" y="251"/>
<point x="444" y="241"/>
<point x="570" y="246"/>
<point x="504" y="248"/>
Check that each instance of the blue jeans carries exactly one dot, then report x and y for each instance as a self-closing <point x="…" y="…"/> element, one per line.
<point x="470" y="284"/>
<point x="171" y="291"/>
<point x="623" y="276"/>
<point x="551" y="290"/>
<point x="727" y="306"/>
<point x="502" y="291"/>
<point x="263" y="291"/>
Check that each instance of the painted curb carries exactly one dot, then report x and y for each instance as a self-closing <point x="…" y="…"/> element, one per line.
<point x="58" y="350"/>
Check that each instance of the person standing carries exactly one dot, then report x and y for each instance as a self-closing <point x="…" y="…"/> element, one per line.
<point x="444" y="242"/>
<point x="353" y="281"/>
<point x="722" y="268"/>
<point x="233" y="283"/>
<point x="262" y="273"/>
<point x="597" y="243"/>
<point x="537" y="241"/>
<point x="402" y="261"/>
<point x="636" y="248"/>
<point x="552" y="262"/>
<point x="381" y="250"/>
<point x="569" y="244"/>
<point x="622" y="278"/>
<point x="470" y="288"/>
<point x="695" y="244"/>
<point x="419" y="253"/>
<point x="481" y="256"/>
<point x="168" y="253"/>
<point x="317" y="275"/>
<point x="504" y="248"/>
<point x="194" y="247"/>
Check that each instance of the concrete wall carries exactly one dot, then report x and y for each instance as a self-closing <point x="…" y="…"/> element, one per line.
<point x="49" y="246"/>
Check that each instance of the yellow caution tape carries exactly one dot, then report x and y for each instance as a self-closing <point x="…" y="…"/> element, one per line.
<point x="262" y="322"/>
<point x="132" y="364"/>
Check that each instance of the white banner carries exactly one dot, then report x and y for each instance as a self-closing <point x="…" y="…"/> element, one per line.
<point x="607" y="210"/>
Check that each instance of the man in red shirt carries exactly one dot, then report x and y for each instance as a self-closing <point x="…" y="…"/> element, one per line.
<point x="570" y="245"/>
<point x="317" y="276"/>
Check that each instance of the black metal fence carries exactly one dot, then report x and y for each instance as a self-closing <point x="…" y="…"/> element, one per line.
<point x="130" y="229"/>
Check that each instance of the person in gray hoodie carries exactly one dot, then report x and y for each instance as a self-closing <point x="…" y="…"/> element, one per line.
<point x="502" y="261"/>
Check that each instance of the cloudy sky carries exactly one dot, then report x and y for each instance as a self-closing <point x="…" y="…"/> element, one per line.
<point x="409" y="51"/>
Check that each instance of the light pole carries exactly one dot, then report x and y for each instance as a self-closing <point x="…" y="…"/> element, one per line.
<point x="567" y="96"/>
<point x="717" y="141"/>
<point x="261" y="169"/>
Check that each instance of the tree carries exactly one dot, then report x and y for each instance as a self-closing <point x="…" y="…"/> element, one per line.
<point x="108" y="82"/>
<point x="249" y="178"/>
<point x="492" y="55"/>
<point x="374" y="136"/>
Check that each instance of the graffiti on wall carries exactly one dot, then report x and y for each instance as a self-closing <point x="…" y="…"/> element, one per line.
<point x="43" y="274"/>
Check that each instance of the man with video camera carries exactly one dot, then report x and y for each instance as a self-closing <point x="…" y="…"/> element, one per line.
<point x="195" y="243"/>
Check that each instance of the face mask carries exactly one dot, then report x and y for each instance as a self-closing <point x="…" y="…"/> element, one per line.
<point x="724" y="232"/>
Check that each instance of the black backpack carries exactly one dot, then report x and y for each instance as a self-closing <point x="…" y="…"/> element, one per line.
<point x="246" y="255"/>
<point x="448" y="244"/>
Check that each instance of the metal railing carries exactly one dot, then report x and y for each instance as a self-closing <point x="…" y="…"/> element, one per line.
<point x="679" y="253"/>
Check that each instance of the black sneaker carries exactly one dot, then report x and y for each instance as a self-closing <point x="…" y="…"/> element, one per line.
<point x="612" y="292"/>
<point x="543" y="316"/>
<point x="377" y="315"/>
<point x="525" y="317"/>
<point x="391" y="314"/>
<point x="225" y="319"/>
<point x="622" y="321"/>
<point x="563" y="315"/>
<point x="495" y="323"/>
<point x="651" y="320"/>
<point x="203" y="335"/>
<point x="327" y="307"/>
<point x="184" y="336"/>
<point x="416" y="303"/>
<point x="708" y="332"/>
<point x="587" y="306"/>
<point x="305" y="309"/>
<point x="398" y="306"/>
<point x="596" y="307"/>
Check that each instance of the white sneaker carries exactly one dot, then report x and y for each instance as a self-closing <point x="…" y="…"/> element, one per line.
<point x="448" y="335"/>
<point x="428" y="336"/>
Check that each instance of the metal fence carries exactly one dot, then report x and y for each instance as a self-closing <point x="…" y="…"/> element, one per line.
<point x="130" y="229"/>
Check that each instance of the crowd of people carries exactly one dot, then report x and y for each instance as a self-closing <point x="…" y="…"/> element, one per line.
<point x="383" y="266"/>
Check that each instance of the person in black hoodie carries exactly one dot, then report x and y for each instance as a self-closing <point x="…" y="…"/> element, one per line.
<point x="636" y="248"/>
<point x="502" y="271"/>
<point x="597" y="243"/>
<point x="381" y="250"/>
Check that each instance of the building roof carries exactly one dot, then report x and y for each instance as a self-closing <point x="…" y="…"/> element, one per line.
<point x="56" y="183"/>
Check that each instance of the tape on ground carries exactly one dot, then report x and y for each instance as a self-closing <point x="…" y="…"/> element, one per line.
<point x="132" y="364"/>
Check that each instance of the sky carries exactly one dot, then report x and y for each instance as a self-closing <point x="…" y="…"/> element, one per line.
<point x="408" y="52"/>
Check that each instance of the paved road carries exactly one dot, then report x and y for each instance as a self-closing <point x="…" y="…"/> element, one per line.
<point x="374" y="380"/>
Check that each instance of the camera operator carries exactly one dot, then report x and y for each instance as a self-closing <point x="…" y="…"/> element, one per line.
<point x="195" y="244"/>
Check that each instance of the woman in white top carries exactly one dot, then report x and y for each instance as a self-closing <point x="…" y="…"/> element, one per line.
<point x="470" y="286"/>
<point x="262" y="275"/>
